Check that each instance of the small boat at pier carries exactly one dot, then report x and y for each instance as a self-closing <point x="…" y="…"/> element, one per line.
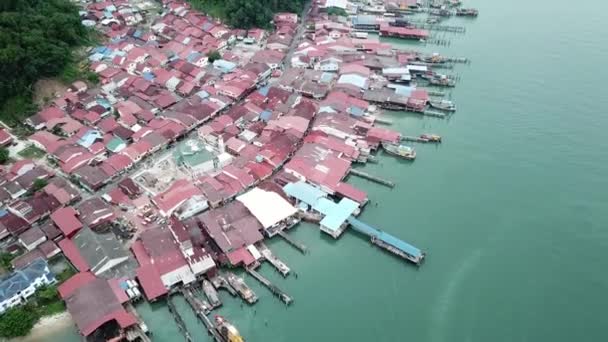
<point x="431" y="137"/>
<point x="445" y="105"/>
<point x="211" y="294"/>
<point x="442" y="81"/>
<point x="238" y="284"/>
<point x="402" y="151"/>
<point x="227" y="330"/>
<point x="467" y="12"/>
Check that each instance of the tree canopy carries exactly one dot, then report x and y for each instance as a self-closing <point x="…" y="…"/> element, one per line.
<point x="4" y="155"/>
<point x="17" y="322"/>
<point x="214" y="56"/>
<point x="36" y="41"/>
<point x="247" y="13"/>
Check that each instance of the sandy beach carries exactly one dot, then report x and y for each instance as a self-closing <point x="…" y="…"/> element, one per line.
<point x="46" y="327"/>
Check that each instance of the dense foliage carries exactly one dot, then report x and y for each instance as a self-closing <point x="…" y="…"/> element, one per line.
<point x="337" y="11"/>
<point x="36" y="41"/>
<point x="247" y="13"/>
<point x="17" y="322"/>
<point x="4" y="155"/>
<point x="213" y="56"/>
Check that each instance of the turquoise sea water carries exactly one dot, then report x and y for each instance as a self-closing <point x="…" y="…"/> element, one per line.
<point x="512" y="208"/>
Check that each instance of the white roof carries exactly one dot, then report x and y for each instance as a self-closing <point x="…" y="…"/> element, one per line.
<point x="336" y="3"/>
<point x="268" y="207"/>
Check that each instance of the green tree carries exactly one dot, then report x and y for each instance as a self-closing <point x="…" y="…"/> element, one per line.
<point x="47" y="294"/>
<point x="36" y="41"/>
<point x="39" y="184"/>
<point x="17" y="322"/>
<point x="4" y="155"/>
<point x="213" y="56"/>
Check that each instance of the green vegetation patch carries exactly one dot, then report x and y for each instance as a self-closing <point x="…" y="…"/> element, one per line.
<point x="247" y="13"/>
<point x="32" y="152"/>
<point x="37" y="39"/>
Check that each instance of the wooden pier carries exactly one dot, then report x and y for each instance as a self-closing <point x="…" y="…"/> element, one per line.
<point x="414" y="139"/>
<point x="293" y="242"/>
<point x="434" y="114"/>
<point x="181" y="325"/>
<point x="273" y="260"/>
<point x="372" y="178"/>
<point x="284" y="297"/>
<point x="383" y="121"/>
<point x="201" y="315"/>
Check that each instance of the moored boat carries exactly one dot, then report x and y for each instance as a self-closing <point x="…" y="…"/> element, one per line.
<point x="445" y="105"/>
<point x="227" y="330"/>
<point x="431" y="137"/>
<point x="442" y="80"/>
<point x="467" y="12"/>
<point x="238" y="284"/>
<point x="211" y="294"/>
<point x="402" y="151"/>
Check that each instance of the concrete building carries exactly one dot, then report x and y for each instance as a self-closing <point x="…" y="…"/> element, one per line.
<point x="22" y="284"/>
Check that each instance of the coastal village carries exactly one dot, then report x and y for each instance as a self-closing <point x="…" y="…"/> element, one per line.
<point x="173" y="171"/>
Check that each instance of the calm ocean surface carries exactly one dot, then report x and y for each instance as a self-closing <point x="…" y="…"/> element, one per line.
<point x="512" y="208"/>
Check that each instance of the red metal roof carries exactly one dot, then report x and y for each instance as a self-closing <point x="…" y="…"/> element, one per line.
<point x="351" y="192"/>
<point x="119" y="292"/>
<point x="71" y="252"/>
<point x="150" y="281"/>
<point x="65" y="219"/>
<point x="67" y="288"/>
<point x="239" y="256"/>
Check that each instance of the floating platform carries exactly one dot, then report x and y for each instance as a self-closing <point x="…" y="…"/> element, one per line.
<point x="388" y="242"/>
<point x="372" y="178"/>
<point x="284" y="297"/>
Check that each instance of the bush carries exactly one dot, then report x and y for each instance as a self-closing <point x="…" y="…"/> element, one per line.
<point x="213" y="56"/>
<point x="4" y="155"/>
<point x="17" y="321"/>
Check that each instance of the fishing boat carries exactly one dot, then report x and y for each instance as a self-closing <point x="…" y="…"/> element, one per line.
<point x="467" y="12"/>
<point x="211" y="294"/>
<point x="238" y="284"/>
<point x="445" y="105"/>
<point x="227" y="330"/>
<point x="442" y="81"/>
<point x="402" y="151"/>
<point x="430" y="137"/>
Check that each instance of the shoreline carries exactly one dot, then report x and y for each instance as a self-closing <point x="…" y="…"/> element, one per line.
<point x="44" y="327"/>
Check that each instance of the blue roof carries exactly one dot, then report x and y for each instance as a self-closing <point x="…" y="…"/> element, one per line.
<point x="21" y="279"/>
<point x="96" y="57"/>
<point x="398" y="243"/>
<point x="224" y="65"/>
<point x="3" y="212"/>
<point x="304" y="192"/>
<point x="401" y="90"/>
<point x="193" y="56"/>
<point x="385" y="237"/>
<point x="104" y="103"/>
<point x="137" y="33"/>
<point x="265" y="115"/>
<point x="148" y="76"/>
<point x="326" y="77"/>
<point x="354" y="79"/>
<point x="111" y="8"/>
<point x="264" y="90"/>
<point x="89" y="138"/>
<point x="202" y="94"/>
<point x="356" y="111"/>
<point x="337" y="214"/>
